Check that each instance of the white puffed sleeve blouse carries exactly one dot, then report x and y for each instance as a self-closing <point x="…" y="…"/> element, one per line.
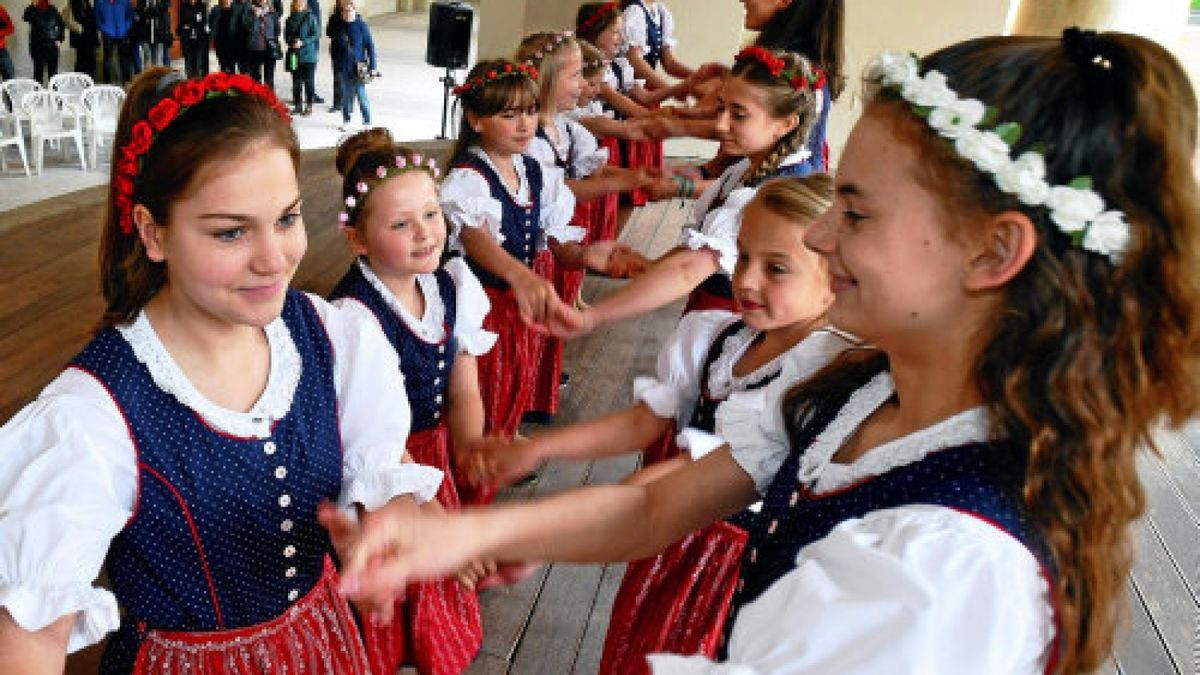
<point x="467" y="202"/>
<point x="717" y="216"/>
<point x="471" y="307"/>
<point x="68" y="468"/>
<point x="576" y="145"/>
<point x="912" y="589"/>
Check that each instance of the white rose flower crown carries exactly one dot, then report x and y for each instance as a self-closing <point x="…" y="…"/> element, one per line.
<point x="1076" y="208"/>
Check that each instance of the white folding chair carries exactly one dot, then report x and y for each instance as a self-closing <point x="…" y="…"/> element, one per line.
<point x="11" y="93"/>
<point x="50" y="117"/>
<point x="14" y="138"/>
<point x="101" y="105"/>
<point x="71" y="85"/>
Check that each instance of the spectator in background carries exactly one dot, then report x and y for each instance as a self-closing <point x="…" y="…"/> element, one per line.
<point x="114" y="19"/>
<point x="335" y="30"/>
<point x="46" y="33"/>
<point x="154" y="32"/>
<point x="80" y="18"/>
<point x="302" y="34"/>
<point x="260" y="24"/>
<point x="194" y="36"/>
<point x="6" y="29"/>
<point x="221" y="27"/>
<point x="356" y="46"/>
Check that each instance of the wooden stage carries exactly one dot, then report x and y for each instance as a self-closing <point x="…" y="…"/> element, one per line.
<point x="555" y="621"/>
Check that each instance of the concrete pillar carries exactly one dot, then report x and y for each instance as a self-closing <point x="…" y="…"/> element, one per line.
<point x="1163" y="21"/>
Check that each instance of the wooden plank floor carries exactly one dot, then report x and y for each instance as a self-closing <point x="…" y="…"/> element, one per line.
<point x="554" y="622"/>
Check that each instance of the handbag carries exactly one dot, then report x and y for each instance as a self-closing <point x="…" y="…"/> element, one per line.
<point x="276" y="50"/>
<point x="292" y="62"/>
<point x="362" y="71"/>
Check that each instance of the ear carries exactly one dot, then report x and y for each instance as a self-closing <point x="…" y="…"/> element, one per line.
<point x="1002" y="250"/>
<point x="150" y="232"/>
<point x="355" y="240"/>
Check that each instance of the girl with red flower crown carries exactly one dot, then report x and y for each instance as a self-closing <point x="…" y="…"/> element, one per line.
<point x="511" y="220"/>
<point x="186" y="449"/>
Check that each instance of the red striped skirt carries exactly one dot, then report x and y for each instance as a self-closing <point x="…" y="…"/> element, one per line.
<point x="675" y="602"/>
<point x="641" y="154"/>
<point x="315" y="635"/>
<point x="436" y="626"/>
<point x="505" y="381"/>
<point x="549" y="368"/>
<point x="606" y="220"/>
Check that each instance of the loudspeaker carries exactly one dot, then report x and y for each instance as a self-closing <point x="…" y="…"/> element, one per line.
<point x="449" y="40"/>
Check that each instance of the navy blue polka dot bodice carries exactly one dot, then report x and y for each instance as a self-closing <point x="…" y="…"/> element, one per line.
<point x="981" y="479"/>
<point x="522" y="225"/>
<point x="654" y="37"/>
<point x="224" y="532"/>
<point x="426" y="366"/>
<point x="561" y="162"/>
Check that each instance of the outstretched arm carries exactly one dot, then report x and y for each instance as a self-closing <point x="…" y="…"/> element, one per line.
<point x="670" y="278"/>
<point x="536" y="298"/>
<point x="592" y="524"/>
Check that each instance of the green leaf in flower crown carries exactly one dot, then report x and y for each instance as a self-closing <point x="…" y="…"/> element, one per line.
<point x="1081" y="183"/>
<point x="922" y="111"/>
<point x="1039" y="148"/>
<point x="1009" y="132"/>
<point x="1077" y="238"/>
<point x="990" y="115"/>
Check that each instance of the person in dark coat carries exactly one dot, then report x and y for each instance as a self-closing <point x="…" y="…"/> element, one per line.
<point x="261" y="29"/>
<point x="194" y="36"/>
<point x="222" y="28"/>
<point x="80" y="18"/>
<point x="46" y="34"/>
<point x="335" y="30"/>
<point x="353" y="47"/>
<point x="154" y="33"/>
<point x="302" y="33"/>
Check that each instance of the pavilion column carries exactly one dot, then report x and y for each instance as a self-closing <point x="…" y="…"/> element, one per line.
<point x="1160" y="20"/>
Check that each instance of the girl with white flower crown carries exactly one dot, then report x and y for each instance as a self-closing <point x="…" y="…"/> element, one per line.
<point x="432" y="314"/>
<point x="186" y="449"/>
<point x="958" y="498"/>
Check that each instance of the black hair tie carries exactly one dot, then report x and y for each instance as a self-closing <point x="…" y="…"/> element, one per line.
<point x="1088" y="50"/>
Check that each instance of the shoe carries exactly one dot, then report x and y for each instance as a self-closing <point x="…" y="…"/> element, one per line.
<point x="537" y="417"/>
<point x="347" y="127"/>
<point x="298" y="110"/>
<point x="335" y="108"/>
<point x="318" y="100"/>
<point x="307" y="110"/>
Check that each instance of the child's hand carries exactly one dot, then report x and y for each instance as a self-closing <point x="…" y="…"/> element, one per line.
<point x="689" y="171"/>
<point x="567" y="322"/>
<point x="625" y="263"/>
<point x="399" y="545"/>
<point x="495" y="461"/>
<point x="536" y="298"/>
<point x="507" y="574"/>
<point x="667" y="187"/>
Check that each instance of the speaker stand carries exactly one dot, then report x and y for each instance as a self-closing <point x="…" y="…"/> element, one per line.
<point x="448" y="85"/>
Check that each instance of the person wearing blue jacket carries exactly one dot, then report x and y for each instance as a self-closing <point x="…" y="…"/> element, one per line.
<point x="114" y="18"/>
<point x="353" y="45"/>
<point x="302" y="32"/>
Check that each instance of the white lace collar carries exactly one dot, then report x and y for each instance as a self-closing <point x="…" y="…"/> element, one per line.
<point x="522" y="195"/>
<point x="276" y="399"/>
<point x="722" y="381"/>
<point x="431" y="326"/>
<point x="818" y="470"/>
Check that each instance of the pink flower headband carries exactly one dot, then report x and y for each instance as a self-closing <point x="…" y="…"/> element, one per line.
<point x="555" y="41"/>
<point x="183" y="97"/>
<point x="401" y="164"/>
<point x="509" y="70"/>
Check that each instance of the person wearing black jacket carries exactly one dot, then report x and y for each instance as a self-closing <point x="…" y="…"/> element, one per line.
<point x="261" y="29"/>
<point x="80" y="18"/>
<point x="335" y="30"/>
<point x="222" y="27"/>
<point x="152" y="20"/>
<point x="46" y="33"/>
<point x="194" y="36"/>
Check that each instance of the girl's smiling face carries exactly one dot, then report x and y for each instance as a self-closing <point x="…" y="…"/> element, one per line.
<point x="778" y="281"/>
<point x="745" y="125"/>
<point x="401" y="229"/>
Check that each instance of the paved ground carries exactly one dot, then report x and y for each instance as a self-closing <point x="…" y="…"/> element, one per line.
<point x="407" y="100"/>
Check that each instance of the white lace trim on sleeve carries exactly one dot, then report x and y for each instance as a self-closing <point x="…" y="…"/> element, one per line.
<point x="374" y="486"/>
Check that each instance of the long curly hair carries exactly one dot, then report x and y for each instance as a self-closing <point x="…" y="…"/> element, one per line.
<point x="1087" y="356"/>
